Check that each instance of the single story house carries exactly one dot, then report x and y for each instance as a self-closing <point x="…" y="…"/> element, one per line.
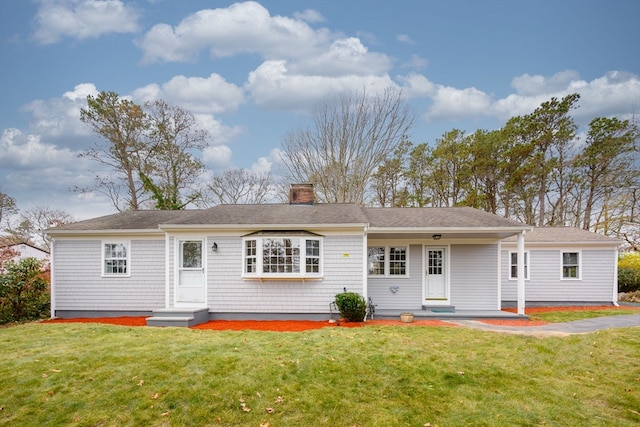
<point x="283" y="261"/>
<point x="563" y="265"/>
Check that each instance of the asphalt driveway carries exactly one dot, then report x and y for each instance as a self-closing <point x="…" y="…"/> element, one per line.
<point x="558" y="329"/>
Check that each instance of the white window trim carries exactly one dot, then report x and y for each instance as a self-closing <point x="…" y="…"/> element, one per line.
<point x="259" y="274"/>
<point x="387" y="262"/>
<point x="527" y="264"/>
<point x="565" y="251"/>
<point x="127" y="244"/>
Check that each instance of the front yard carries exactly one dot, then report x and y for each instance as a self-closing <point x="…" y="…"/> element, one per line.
<point x="94" y="374"/>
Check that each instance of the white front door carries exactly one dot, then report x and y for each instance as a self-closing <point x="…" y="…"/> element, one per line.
<point x="436" y="275"/>
<point x="190" y="287"/>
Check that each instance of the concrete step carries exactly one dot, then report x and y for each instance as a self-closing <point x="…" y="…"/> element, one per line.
<point x="181" y="317"/>
<point x="165" y="321"/>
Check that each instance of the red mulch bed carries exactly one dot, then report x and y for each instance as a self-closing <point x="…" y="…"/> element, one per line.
<point x="255" y="325"/>
<point x="305" y="325"/>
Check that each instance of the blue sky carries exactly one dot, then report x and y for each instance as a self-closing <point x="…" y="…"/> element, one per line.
<point x="253" y="71"/>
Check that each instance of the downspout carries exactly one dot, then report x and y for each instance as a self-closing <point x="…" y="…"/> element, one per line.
<point x="52" y="279"/>
<point x="615" y="278"/>
<point x="166" y="270"/>
<point x="520" y="292"/>
<point x="365" y="284"/>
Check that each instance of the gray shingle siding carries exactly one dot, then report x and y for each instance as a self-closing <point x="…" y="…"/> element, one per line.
<point x="79" y="284"/>
<point x="474" y="277"/>
<point x="409" y="294"/>
<point x="545" y="284"/>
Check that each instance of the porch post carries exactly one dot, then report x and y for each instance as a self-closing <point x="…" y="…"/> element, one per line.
<point x="520" y="266"/>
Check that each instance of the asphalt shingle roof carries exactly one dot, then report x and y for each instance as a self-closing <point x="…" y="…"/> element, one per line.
<point x="563" y="234"/>
<point x="286" y="214"/>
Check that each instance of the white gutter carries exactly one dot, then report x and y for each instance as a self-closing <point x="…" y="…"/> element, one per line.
<point x="167" y="268"/>
<point x="365" y="282"/>
<point x="520" y="267"/>
<point x="52" y="278"/>
<point x="615" y="279"/>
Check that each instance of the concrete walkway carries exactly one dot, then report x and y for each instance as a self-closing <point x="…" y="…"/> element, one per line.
<point x="558" y="329"/>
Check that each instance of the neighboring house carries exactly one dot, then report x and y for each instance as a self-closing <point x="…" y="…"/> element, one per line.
<point x="26" y="250"/>
<point x="563" y="265"/>
<point x="280" y="261"/>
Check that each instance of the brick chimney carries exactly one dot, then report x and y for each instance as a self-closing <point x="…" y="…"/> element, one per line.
<point x="301" y="194"/>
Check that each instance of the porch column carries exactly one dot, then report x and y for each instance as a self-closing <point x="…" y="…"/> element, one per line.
<point x="520" y="291"/>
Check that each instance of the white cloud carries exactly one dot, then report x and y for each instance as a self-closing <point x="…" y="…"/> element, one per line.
<point x="451" y="103"/>
<point x="20" y="151"/>
<point x="615" y="93"/>
<point x="527" y="85"/>
<point x="240" y="28"/>
<point x="273" y="86"/>
<point x="416" y="62"/>
<point x="219" y="133"/>
<point x="218" y="156"/>
<point x="309" y="15"/>
<point x="196" y="94"/>
<point x="267" y="164"/>
<point x="346" y="56"/>
<point x="403" y="38"/>
<point x="58" y="117"/>
<point x="417" y="86"/>
<point x="82" y="19"/>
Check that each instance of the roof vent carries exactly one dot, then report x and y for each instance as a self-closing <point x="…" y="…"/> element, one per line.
<point x="301" y="194"/>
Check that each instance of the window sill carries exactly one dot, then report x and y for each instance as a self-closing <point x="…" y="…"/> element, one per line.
<point x="281" y="278"/>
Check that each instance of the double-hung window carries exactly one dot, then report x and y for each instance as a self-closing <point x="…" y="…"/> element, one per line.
<point x="387" y="260"/>
<point x="513" y="265"/>
<point x="571" y="265"/>
<point x="282" y="255"/>
<point x="115" y="259"/>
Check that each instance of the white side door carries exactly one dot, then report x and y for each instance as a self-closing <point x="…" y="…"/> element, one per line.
<point x="190" y="286"/>
<point x="436" y="274"/>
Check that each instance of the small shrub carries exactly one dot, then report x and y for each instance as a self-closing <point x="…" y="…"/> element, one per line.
<point x="23" y="291"/>
<point x="352" y="306"/>
<point x="629" y="272"/>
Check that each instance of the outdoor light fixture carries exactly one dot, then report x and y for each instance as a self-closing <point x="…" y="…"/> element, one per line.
<point x="437" y="236"/>
<point x="214" y="247"/>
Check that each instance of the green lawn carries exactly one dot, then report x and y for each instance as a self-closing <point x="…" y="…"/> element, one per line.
<point x="101" y="375"/>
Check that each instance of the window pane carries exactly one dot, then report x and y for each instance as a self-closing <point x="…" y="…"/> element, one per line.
<point x="570" y="265"/>
<point x="115" y="258"/>
<point x="281" y="255"/>
<point x="397" y="261"/>
<point x="312" y="264"/>
<point x="191" y="254"/>
<point x="435" y="261"/>
<point x="514" y="265"/>
<point x="376" y="261"/>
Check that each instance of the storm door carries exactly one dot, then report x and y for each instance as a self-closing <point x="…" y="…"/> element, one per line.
<point x="190" y="289"/>
<point x="436" y="274"/>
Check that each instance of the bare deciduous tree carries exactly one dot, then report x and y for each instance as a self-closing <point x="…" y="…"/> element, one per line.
<point x="352" y="136"/>
<point x="234" y="186"/>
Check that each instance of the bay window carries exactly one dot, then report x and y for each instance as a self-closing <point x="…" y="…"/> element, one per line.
<point x="282" y="255"/>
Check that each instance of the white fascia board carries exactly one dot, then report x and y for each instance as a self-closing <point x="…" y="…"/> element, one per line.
<point x="451" y="230"/>
<point x="565" y="244"/>
<point x="146" y="233"/>
<point x="252" y="227"/>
